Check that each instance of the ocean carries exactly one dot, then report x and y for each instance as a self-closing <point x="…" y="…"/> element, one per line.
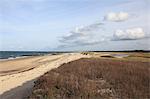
<point x="16" y="54"/>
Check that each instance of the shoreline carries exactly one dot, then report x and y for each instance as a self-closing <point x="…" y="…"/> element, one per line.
<point x="12" y="65"/>
<point x="21" y="57"/>
<point x="20" y="83"/>
<point x="45" y="63"/>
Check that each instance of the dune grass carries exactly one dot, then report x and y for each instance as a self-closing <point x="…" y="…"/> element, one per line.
<point x="95" y="78"/>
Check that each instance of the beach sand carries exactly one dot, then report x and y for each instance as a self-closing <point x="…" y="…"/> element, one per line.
<point x="13" y="66"/>
<point x="15" y="73"/>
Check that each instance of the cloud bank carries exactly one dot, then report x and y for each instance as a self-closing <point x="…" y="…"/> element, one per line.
<point x="81" y="36"/>
<point x="87" y="35"/>
<point x="129" y="34"/>
<point x="116" y="17"/>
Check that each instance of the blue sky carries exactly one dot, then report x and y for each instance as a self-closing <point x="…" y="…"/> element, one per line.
<point x="74" y="25"/>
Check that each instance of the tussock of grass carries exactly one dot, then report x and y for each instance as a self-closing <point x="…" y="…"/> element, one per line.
<point x="95" y="79"/>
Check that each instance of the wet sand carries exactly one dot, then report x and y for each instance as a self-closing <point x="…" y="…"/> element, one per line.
<point x="13" y="66"/>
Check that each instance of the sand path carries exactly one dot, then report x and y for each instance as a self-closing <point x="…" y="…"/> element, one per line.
<point x="43" y="65"/>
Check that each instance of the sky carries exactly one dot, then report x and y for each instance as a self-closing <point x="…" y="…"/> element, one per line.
<point x="74" y="25"/>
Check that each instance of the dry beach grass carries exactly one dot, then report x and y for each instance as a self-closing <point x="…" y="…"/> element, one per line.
<point x="87" y="78"/>
<point x="41" y="65"/>
<point x="95" y="78"/>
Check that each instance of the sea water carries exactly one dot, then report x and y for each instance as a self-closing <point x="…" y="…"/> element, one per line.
<point x="15" y="54"/>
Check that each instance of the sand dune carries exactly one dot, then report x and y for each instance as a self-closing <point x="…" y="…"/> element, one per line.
<point x="15" y="73"/>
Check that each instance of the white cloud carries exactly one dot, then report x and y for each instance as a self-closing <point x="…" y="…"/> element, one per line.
<point x="129" y="34"/>
<point x="81" y="36"/>
<point x="74" y="35"/>
<point x="78" y="36"/>
<point x="117" y="17"/>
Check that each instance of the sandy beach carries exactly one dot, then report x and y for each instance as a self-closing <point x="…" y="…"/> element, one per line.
<point x="15" y="73"/>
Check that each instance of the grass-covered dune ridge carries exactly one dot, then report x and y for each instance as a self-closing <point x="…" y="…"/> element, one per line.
<point x="95" y="78"/>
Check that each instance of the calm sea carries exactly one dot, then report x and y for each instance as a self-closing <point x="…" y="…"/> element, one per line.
<point x="15" y="54"/>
